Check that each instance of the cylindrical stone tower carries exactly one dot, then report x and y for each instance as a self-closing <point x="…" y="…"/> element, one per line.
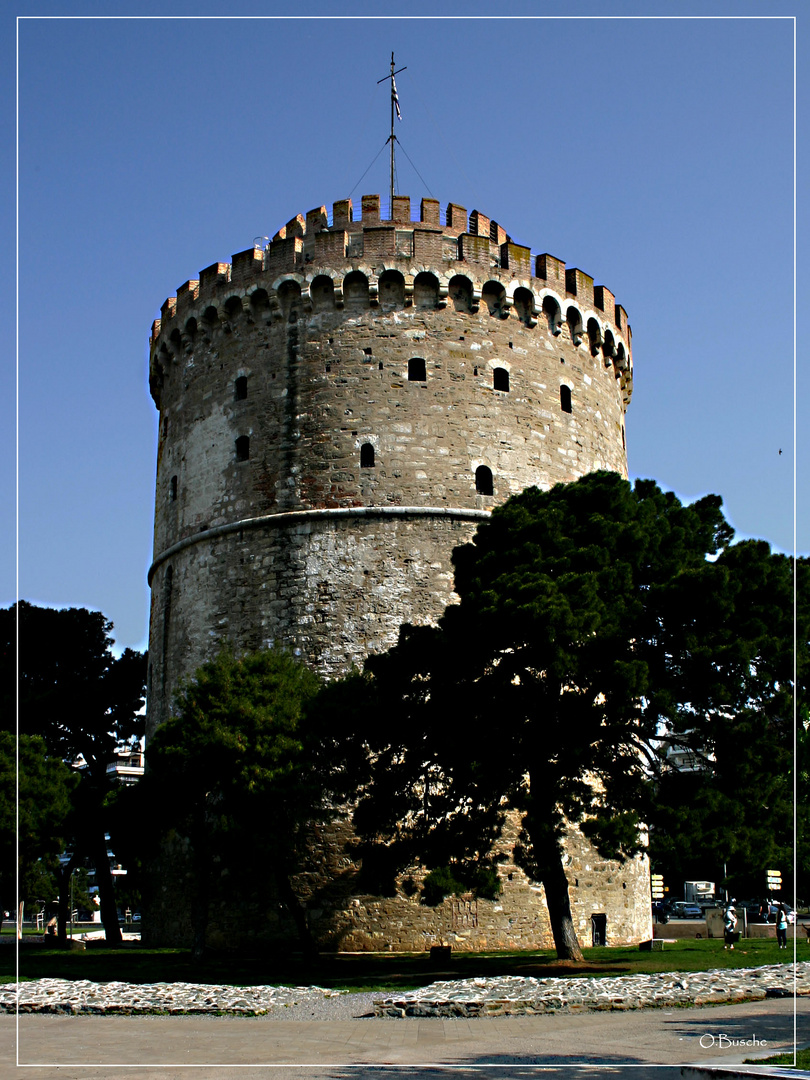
<point x="338" y="411"/>
<point x="340" y="408"/>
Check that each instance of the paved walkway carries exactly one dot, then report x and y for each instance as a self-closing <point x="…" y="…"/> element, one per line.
<point x="590" y="1045"/>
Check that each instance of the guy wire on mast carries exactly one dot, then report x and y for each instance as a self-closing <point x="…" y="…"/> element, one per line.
<point x="391" y="140"/>
<point x="394" y="112"/>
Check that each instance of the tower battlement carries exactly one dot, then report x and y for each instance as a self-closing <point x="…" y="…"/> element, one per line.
<point x="308" y="250"/>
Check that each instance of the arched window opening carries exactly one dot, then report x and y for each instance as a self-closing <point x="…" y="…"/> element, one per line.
<point x="322" y="293"/>
<point x="289" y="294"/>
<point x="391" y="290"/>
<point x="240" y="388"/>
<point x="494" y="296"/>
<point x="210" y="317"/>
<point x="416" y="370"/>
<point x="594" y="336"/>
<point x="551" y="310"/>
<point x="460" y="292"/>
<point x="574" y="320"/>
<point x="500" y="379"/>
<point x="565" y="398"/>
<point x="483" y="480"/>
<point x="355" y="290"/>
<point x="609" y="347"/>
<point x="426" y="291"/>
<point x="621" y="358"/>
<point x="233" y="307"/>
<point x="367" y="456"/>
<point x="260" y="304"/>
<point x="524" y="306"/>
<point x="243" y="448"/>
<point x="173" y="489"/>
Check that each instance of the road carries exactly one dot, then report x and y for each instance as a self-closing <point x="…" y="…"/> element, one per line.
<point x="593" y="1045"/>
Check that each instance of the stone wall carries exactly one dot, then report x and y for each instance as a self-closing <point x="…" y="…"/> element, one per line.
<point x="342" y="916"/>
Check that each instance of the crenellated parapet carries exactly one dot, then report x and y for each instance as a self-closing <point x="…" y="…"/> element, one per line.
<point x="383" y="262"/>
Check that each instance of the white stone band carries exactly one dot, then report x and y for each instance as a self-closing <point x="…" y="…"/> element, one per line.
<point x="294" y="517"/>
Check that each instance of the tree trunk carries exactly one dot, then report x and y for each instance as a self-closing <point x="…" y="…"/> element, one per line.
<point x="299" y="915"/>
<point x="106" y="890"/>
<point x="63" y="875"/>
<point x="559" y="911"/>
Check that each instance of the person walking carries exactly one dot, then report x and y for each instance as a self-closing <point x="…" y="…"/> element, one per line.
<point x="729" y="924"/>
<point x="781" y="926"/>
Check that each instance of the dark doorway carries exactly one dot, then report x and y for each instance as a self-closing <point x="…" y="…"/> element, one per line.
<point x="598" y="930"/>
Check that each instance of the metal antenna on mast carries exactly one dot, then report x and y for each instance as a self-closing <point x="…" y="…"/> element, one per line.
<point x="394" y="110"/>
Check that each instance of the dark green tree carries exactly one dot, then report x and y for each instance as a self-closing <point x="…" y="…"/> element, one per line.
<point x="83" y="702"/>
<point x="35" y="812"/>
<point x="231" y="756"/>
<point x="588" y="623"/>
<point x="732" y="813"/>
<point x="803" y="805"/>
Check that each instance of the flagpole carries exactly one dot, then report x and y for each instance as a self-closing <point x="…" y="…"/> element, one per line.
<point x="393" y="137"/>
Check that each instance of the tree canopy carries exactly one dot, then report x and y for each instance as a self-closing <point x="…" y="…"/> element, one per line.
<point x="82" y="701"/>
<point x="592" y="618"/>
<point x="35" y="810"/>
<point x="232" y="755"/>
<point x="735" y="808"/>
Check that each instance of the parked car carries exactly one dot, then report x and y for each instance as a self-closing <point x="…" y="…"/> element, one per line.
<point x="683" y="909"/>
<point x="753" y="908"/>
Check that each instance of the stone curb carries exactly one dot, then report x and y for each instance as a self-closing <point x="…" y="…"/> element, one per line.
<point x="82" y="997"/>
<point x="508" y="995"/>
<point x="515" y="996"/>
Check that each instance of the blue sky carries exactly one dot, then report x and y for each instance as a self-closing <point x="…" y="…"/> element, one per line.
<point x="655" y="154"/>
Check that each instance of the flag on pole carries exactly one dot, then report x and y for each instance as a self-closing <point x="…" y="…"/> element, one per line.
<point x="395" y="96"/>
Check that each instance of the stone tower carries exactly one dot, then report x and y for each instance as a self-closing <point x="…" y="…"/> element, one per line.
<point x="340" y="408"/>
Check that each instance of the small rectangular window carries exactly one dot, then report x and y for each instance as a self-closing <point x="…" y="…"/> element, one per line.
<point x="500" y="379"/>
<point x="354" y="245"/>
<point x="404" y="240"/>
<point x="416" y="370"/>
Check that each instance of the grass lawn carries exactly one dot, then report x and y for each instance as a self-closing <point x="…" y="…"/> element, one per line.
<point x="373" y="971"/>
<point x="802" y="1060"/>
